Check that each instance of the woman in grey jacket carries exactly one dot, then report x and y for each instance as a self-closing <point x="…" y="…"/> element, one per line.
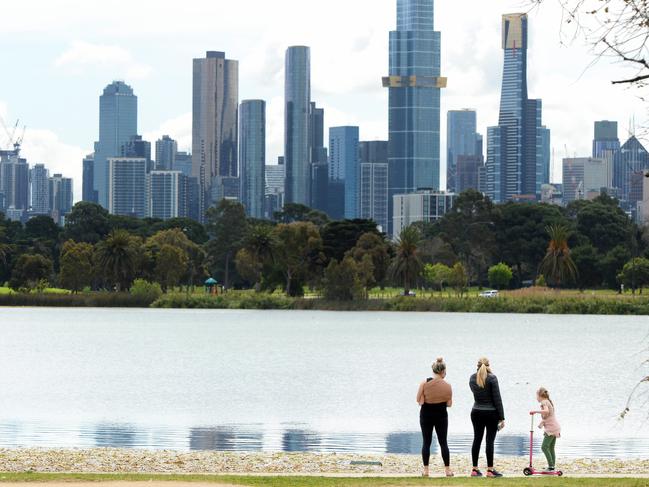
<point x="487" y="415"/>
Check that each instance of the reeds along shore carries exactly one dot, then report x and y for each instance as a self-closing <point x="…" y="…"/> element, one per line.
<point x="545" y="304"/>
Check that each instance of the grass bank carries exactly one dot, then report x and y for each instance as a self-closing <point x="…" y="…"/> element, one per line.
<point x="587" y="305"/>
<point x="319" y="481"/>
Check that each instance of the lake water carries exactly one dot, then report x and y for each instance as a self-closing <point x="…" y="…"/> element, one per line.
<point x="307" y="381"/>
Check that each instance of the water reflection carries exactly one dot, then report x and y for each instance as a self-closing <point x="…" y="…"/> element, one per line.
<point x="286" y="438"/>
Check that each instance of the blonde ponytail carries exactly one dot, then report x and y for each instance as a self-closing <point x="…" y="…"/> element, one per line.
<point x="483" y="371"/>
<point x="544" y="394"/>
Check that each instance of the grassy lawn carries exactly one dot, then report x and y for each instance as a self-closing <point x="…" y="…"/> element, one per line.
<point x="320" y="481"/>
<point x="49" y="290"/>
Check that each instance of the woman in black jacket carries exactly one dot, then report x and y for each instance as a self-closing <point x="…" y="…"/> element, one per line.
<point x="487" y="415"/>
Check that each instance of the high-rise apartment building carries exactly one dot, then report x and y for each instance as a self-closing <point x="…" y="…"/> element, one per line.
<point x="14" y="180"/>
<point x="515" y="155"/>
<point x="89" y="194"/>
<point x="373" y="195"/>
<point x="60" y="192"/>
<point x="215" y="121"/>
<point x="422" y="206"/>
<point x="127" y="186"/>
<point x="297" y="105"/>
<point x="344" y="166"/>
<point x="461" y="140"/>
<point x="166" y="149"/>
<point x="252" y="156"/>
<point x="585" y="177"/>
<point x="40" y="196"/>
<point x="415" y="85"/>
<point x="275" y="185"/>
<point x="169" y="195"/>
<point x="117" y="126"/>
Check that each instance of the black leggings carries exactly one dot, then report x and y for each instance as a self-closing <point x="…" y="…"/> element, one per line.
<point x="484" y="420"/>
<point x="434" y="417"/>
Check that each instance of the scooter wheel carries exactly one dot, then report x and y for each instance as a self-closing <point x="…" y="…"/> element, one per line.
<point x="560" y="473"/>
<point x="528" y="472"/>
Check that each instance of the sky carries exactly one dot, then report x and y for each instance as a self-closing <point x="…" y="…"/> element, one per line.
<point x="58" y="56"/>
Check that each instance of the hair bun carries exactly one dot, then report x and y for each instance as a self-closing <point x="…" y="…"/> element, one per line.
<point x="440" y="360"/>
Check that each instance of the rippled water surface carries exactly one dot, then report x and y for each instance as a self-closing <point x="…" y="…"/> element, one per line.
<point x="306" y="381"/>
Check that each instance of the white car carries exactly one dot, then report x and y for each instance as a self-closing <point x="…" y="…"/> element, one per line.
<point x="489" y="294"/>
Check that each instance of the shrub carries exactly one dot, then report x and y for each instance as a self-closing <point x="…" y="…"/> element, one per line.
<point x="150" y="291"/>
<point x="500" y="276"/>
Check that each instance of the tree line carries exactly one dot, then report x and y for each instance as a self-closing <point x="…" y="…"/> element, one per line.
<point x="589" y="244"/>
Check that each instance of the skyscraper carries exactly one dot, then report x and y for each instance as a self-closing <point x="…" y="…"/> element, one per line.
<point x="546" y="155"/>
<point x="414" y="99"/>
<point x="117" y="125"/>
<point x="165" y="153"/>
<point x="605" y="139"/>
<point x="373" y="195"/>
<point x="40" y="196"/>
<point x="297" y="104"/>
<point x="514" y="148"/>
<point x="344" y="166"/>
<point x="585" y="178"/>
<point x="215" y="121"/>
<point x="461" y="140"/>
<point x="60" y="197"/>
<point x="319" y="160"/>
<point x="88" y="185"/>
<point x="633" y="159"/>
<point x="183" y="163"/>
<point x="138" y="148"/>
<point x="127" y="186"/>
<point x="252" y="155"/>
<point x="275" y="185"/>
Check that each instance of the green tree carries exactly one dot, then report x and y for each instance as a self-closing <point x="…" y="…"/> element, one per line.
<point x="29" y="272"/>
<point x="117" y="259"/>
<point x="407" y="265"/>
<point x="588" y="262"/>
<point x="500" y="276"/>
<point x="459" y="278"/>
<point x="259" y="246"/>
<point x="521" y="234"/>
<point x="42" y="228"/>
<point x="295" y="212"/>
<point x="171" y="266"/>
<point x="635" y="274"/>
<point x="342" y="281"/>
<point x="77" y="268"/>
<point x="249" y="267"/>
<point x="375" y="246"/>
<point x="437" y="275"/>
<point x="299" y="247"/>
<point x="87" y="222"/>
<point x="191" y="228"/>
<point x="557" y="266"/>
<point x="604" y="224"/>
<point x="612" y="263"/>
<point x="339" y="237"/>
<point x="227" y="226"/>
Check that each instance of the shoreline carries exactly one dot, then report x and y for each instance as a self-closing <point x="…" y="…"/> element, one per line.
<point x="124" y="461"/>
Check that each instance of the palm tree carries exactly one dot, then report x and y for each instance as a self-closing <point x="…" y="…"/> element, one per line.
<point x="557" y="266"/>
<point x="407" y="266"/>
<point x="117" y="258"/>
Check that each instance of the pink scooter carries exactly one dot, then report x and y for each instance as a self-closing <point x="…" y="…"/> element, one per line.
<point x="530" y="471"/>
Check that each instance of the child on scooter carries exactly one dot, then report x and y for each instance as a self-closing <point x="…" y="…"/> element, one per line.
<point x="550" y="426"/>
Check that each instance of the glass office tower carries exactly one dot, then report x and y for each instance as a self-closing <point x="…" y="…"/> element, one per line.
<point x="344" y="166"/>
<point x="414" y="99"/>
<point x="297" y="105"/>
<point x="252" y="154"/>
<point x="117" y="125"/>
<point x="461" y="140"/>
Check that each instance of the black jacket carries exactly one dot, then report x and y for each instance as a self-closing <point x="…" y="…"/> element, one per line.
<point x="487" y="398"/>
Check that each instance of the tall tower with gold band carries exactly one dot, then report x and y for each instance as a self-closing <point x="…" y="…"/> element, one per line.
<point x="415" y="85"/>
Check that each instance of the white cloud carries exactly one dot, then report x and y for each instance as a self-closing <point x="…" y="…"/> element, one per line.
<point x="82" y="57"/>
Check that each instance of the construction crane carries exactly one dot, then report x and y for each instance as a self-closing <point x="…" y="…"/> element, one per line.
<point x="13" y="141"/>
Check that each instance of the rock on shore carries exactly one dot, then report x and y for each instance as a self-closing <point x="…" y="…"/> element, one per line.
<point x="206" y="462"/>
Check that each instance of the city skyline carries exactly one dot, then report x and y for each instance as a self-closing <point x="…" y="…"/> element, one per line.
<point x="80" y="63"/>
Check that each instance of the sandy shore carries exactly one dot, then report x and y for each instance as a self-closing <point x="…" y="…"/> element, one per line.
<point x="204" y="462"/>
